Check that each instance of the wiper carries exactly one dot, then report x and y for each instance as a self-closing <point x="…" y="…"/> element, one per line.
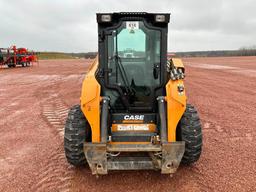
<point x="120" y="66"/>
<point x="124" y="77"/>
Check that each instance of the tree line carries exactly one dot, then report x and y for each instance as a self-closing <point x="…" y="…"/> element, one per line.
<point x="243" y="51"/>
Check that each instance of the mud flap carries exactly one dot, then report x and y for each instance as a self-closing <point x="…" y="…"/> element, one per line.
<point x="172" y="154"/>
<point x="96" y="157"/>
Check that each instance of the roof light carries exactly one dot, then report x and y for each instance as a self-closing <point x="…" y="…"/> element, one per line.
<point x="160" y="18"/>
<point x="106" y="18"/>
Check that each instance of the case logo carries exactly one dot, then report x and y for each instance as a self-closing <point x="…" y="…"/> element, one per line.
<point x="134" y="117"/>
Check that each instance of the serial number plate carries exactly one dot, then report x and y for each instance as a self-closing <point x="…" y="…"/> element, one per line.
<point x="132" y="128"/>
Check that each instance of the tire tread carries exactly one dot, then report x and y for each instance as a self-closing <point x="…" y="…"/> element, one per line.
<point x="75" y="136"/>
<point x="190" y="131"/>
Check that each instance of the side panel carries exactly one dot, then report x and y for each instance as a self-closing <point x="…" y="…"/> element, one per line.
<point x="176" y="103"/>
<point x="90" y="101"/>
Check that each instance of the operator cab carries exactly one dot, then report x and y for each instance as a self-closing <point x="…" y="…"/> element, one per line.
<point x="132" y="59"/>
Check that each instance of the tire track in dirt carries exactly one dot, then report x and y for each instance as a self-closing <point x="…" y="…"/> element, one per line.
<point x="55" y="113"/>
<point x="55" y="174"/>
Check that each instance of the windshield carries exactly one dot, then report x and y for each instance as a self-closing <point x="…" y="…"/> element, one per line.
<point x="134" y="55"/>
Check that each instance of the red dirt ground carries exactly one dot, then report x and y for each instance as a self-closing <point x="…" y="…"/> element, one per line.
<point x="34" y="103"/>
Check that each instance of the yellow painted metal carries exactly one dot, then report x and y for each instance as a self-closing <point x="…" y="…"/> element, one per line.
<point x="176" y="104"/>
<point x="90" y="101"/>
<point x="177" y="62"/>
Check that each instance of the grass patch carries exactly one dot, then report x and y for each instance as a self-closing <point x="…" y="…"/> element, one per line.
<point x="55" y="55"/>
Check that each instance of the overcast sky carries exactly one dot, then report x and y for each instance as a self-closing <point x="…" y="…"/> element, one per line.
<point x="70" y="25"/>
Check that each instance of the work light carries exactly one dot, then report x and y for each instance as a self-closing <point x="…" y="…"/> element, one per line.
<point x="106" y="18"/>
<point x="160" y="18"/>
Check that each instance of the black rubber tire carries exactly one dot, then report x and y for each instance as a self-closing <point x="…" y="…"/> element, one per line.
<point x="189" y="130"/>
<point x="77" y="131"/>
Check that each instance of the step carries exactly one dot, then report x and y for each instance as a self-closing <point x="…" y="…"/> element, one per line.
<point x="133" y="147"/>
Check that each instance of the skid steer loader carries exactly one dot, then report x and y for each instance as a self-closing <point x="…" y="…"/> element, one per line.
<point x="133" y="113"/>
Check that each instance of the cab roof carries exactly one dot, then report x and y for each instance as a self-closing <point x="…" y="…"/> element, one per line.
<point x="150" y="17"/>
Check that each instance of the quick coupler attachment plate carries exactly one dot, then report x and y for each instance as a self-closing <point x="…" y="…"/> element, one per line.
<point x="168" y="158"/>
